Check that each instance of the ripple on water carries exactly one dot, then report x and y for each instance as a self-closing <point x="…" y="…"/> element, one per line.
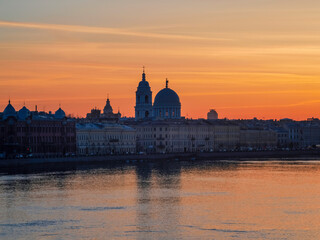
<point x="102" y="208"/>
<point x="38" y="223"/>
<point x="218" y="230"/>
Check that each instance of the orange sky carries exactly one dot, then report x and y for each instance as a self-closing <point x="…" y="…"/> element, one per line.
<point x="249" y="59"/>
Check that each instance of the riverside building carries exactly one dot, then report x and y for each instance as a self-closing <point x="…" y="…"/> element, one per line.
<point x="172" y="136"/>
<point x="38" y="134"/>
<point x="258" y="138"/>
<point x="105" y="139"/>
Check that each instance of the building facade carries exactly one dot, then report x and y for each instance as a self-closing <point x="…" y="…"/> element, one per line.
<point x="303" y="134"/>
<point x="105" y="139"/>
<point x="226" y="136"/>
<point x="36" y="133"/>
<point x="169" y="136"/>
<point x="258" y="138"/>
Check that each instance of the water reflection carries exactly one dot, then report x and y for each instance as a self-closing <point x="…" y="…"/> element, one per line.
<point x="162" y="200"/>
<point x="158" y="187"/>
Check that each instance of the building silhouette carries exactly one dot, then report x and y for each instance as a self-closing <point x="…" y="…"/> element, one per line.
<point x="36" y="133"/>
<point x="107" y="116"/>
<point x="166" y="103"/>
<point x="212" y="115"/>
<point x="143" y="108"/>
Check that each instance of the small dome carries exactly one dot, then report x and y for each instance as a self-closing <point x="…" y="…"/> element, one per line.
<point x="143" y="84"/>
<point x="59" y="114"/>
<point x="212" y="115"/>
<point x="9" y="111"/>
<point x="167" y="97"/>
<point x="108" y="109"/>
<point x="23" y="113"/>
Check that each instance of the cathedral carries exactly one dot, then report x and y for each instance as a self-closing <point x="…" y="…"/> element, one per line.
<point x="166" y="103"/>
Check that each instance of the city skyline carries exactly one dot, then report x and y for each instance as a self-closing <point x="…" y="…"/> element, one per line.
<point x="248" y="59"/>
<point x="99" y="102"/>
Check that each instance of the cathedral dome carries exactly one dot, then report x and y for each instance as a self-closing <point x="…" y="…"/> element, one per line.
<point x="167" y="104"/>
<point x="9" y="111"/>
<point x="167" y="97"/>
<point x="59" y="114"/>
<point x="23" y="113"/>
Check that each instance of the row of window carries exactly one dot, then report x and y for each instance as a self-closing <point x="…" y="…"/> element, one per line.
<point x="45" y="129"/>
<point x="175" y="143"/>
<point x="97" y="150"/>
<point x="47" y="139"/>
<point x="175" y="136"/>
<point x="105" y="137"/>
<point x="106" y="144"/>
<point x="184" y="129"/>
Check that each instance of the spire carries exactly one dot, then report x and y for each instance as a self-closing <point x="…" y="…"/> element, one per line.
<point x="143" y="74"/>
<point x="167" y="82"/>
<point x="9" y="101"/>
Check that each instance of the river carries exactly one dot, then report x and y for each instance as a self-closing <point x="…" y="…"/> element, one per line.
<point x="162" y="200"/>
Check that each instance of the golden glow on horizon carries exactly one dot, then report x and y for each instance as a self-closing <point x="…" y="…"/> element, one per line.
<point x="240" y="67"/>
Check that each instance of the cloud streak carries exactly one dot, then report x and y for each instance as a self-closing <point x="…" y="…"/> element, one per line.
<point x="199" y="94"/>
<point x="104" y="30"/>
<point x="303" y="103"/>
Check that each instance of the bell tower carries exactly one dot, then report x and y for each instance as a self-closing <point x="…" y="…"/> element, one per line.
<point x="143" y="108"/>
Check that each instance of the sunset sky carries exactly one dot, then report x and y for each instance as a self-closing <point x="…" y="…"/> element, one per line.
<point x="244" y="58"/>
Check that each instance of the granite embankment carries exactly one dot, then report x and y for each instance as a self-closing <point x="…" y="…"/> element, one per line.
<point x="258" y="156"/>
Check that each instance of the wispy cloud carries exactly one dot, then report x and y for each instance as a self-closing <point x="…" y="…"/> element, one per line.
<point x="103" y="30"/>
<point x="273" y="92"/>
<point x="303" y="103"/>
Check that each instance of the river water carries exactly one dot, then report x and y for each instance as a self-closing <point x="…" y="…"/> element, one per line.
<point x="169" y="200"/>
